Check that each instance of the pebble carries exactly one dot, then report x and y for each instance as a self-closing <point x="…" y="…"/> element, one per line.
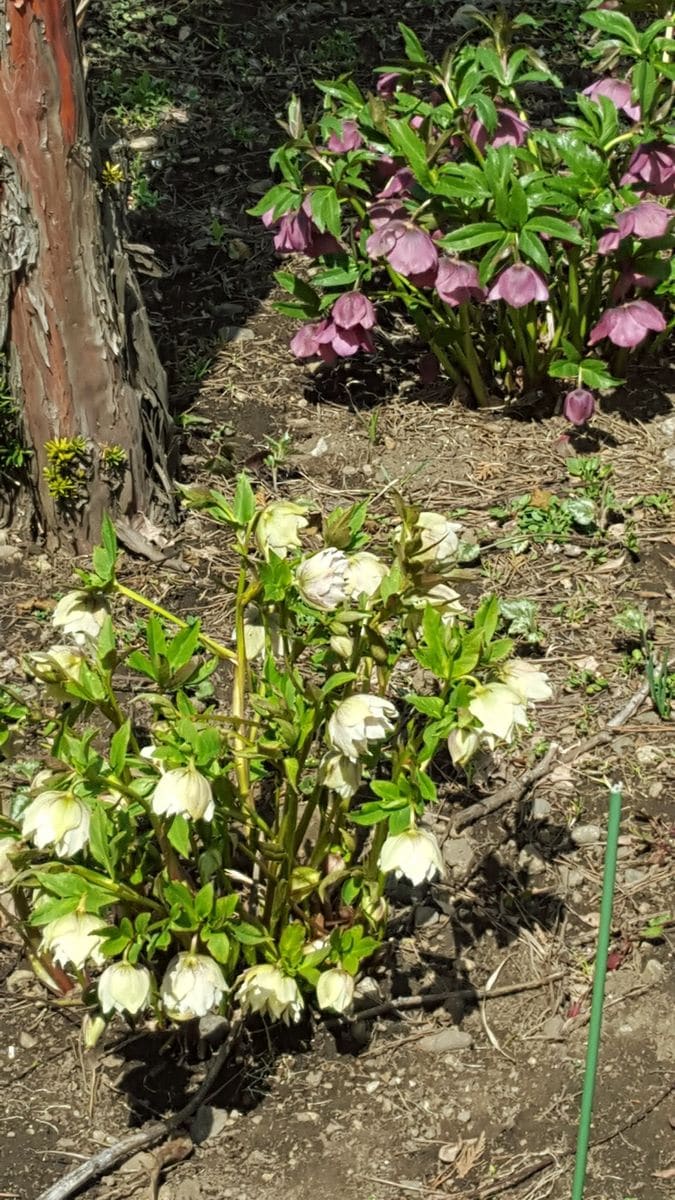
<point x="445" y="1040"/>
<point x="586" y="835"/>
<point x="635" y="875"/>
<point x="464" y="1115"/>
<point x="425" y="915"/>
<point x="569" y="877"/>
<point x="458" y="854"/>
<point x="532" y="860"/>
<point x="653" y="970"/>
<point x="540" y="808"/>
<point x="553" y="1029"/>
<point x="145" y="142"/>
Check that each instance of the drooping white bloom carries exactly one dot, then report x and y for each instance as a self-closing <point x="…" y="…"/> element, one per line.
<point x="463" y="744"/>
<point x="441" y="597"/>
<point x="265" y="989"/>
<point x="58" y="819"/>
<point x="365" y="573"/>
<point x="358" y="720"/>
<point x="192" y="986"/>
<point x="335" y="990"/>
<point x="74" y="939"/>
<point x="529" y="683"/>
<point x="186" y="791"/>
<point x="58" y="665"/>
<point x="279" y="526"/>
<point x="438" y="537"/>
<point x="255" y="633"/>
<point x="340" y="774"/>
<point x="124" y="988"/>
<point x="343" y="645"/>
<point x="414" y="854"/>
<point x="499" y="709"/>
<point x="8" y="846"/>
<point x="321" y="579"/>
<point x="81" y="615"/>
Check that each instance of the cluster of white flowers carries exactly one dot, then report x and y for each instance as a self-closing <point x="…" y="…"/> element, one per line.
<point x="265" y="989"/>
<point x="330" y="578"/>
<point x="499" y="708"/>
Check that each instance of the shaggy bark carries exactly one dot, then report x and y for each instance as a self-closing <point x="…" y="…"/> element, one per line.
<point x="72" y="319"/>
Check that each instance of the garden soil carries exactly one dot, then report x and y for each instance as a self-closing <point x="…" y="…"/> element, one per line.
<point x="477" y="1094"/>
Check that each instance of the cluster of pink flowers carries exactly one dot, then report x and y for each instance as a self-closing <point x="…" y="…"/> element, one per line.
<point x="347" y="330"/>
<point x="644" y="220"/>
<point x="296" y="233"/>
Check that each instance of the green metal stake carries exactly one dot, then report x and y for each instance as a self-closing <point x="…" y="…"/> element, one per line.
<point x="599" y="976"/>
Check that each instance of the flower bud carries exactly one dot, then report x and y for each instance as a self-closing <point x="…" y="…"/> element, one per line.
<point x="8" y="846"/>
<point x="192" y="986"/>
<point x="93" y="1027"/>
<point x="579" y="406"/>
<point x="414" y="854"/>
<point x="74" y="939"/>
<point x="124" y="988"/>
<point x="185" y="791"/>
<point x="267" y="990"/>
<point x="439" y="541"/>
<point x="61" y="664"/>
<point x="342" y="646"/>
<point x="335" y="990"/>
<point x="321" y="579"/>
<point x="462" y="745"/>
<point x="58" y="819"/>
<point x="81" y="615"/>
<point x="339" y="774"/>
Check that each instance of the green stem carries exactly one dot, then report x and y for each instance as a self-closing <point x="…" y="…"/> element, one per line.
<point x="599" y="976"/>
<point x="477" y="383"/>
<point x="215" y="647"/>
<point x="238" y="706"/>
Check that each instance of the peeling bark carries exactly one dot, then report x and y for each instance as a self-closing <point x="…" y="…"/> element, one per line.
<point x="82" y="357"/>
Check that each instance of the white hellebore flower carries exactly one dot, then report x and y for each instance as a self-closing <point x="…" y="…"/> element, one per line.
<point x="321" y="579"/>
<point x="58" y="819"/>
<point x="255" y="634"/>
<point x="499" y="709"/>
<point x="414" y="854"/>
<point x="183" y="790"/>
<point x="124" y="988"/>
<point x="265" y="989"/>
<point x="441" y="597"/>
<point x="8" y="846"/>
<point x="439" y="538"/>
<point x="358" y="720"/>
<point x="279" y="526"/>
<point x="74" y="939"/>
<point x="339" y="774"/>
<point x="58" y="665"/>
<point x="526" y="681"/>
<point x="81" y="615"/>
<point x="365" y="573"/>
<point x="335" y="989"/>
<point x="192" y="986"/>
<point x="463" y="744"/>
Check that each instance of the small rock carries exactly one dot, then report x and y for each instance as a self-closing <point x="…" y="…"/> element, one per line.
<point x="553" y="1028"/>
<point x="448" y="1154"/>
<point x="445" y="1040"/>
<point x="464" y="1115"/>
<point x="586" y="835"/>
<point x="653" y="971"/>
<point x="425" y="915"/>
<point x="541" y="809"/>
<point x="371" y="1086"/>
<point x="655" y="790"/>
<point x="207" y="1123"/>
<point x="635" y="875"/>
<point x="236" y="333"/>
<point x="320" y="449"/>
<point x="569" y="876"/>
<point x="648" y="756"/>
<point x="143" y="143"/>
<point x="531" y="859"/>
<point x="27" y="1040"/>
<point x="458" y="854"/>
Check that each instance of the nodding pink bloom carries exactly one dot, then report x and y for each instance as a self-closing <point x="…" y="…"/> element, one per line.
<point x="653" y="165"/>
<point x="382" y="211"/>
<point x="387" y="84"/>
<point x="616" y="90"/>
<point x="519" y="285"/>
<point x="306" y="343"/>
<point x="349" y="139"/>
<point x="429" y="369"/>
<point x="645" y="220"/>
<point x="628" y="325"/>
<point x="629" y="279"/>
<point x="409" y="250"/>
<point x="458" y="283"/>
<point x="399" y="184"/>
<point x="353" y="309"/>
<point x="294" y="234"/>
<point x="579" y="406"/>
<point x="345" y="342"/>
<point x="510" y="131"/>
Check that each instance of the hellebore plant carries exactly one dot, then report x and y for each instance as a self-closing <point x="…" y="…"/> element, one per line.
<point x="508" y="245"/>
<point x="195" y="847"/>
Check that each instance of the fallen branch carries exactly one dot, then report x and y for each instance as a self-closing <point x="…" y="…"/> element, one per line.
<point x="436" y="998"/>
<point x="113" y="1156"/>
<point x="519" y="787"/>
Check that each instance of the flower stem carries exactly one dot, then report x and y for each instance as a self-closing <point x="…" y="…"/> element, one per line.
<point x="209" y="643"/>
<point x="477" y="383"/>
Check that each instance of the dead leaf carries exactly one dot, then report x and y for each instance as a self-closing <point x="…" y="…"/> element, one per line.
<point x="669" y="1173"/>
<point x="469" y="1155"/>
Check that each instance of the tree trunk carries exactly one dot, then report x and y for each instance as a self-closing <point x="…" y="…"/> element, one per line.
<point x="83" y="364"/>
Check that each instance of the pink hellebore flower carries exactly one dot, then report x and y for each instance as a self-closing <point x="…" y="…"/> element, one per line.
<point x="349" y="139"/>
<point x="409" y="250"/>
<point x="653" y="165"/>
<point x="346" y="331"/>
<point x="616" y="90"/>
<point x="297" y="233"/>
<point x="579" y="406"/>
<point x="645" y="220"/>
<point x="628" y="325"/>
<point x="387" y="83"/>
<point x="399" y="184"/>
<point x="518" y="285"/>
<point x="510" y="131"/>
<point x="306" y="343"/>
<point x="631" y="278"/>
<point x="354" y="309"/>
<point x="382" y="211"/>
<point x="458" y="283"/>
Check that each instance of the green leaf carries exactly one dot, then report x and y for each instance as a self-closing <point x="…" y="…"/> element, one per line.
<point x="533" y="248"/>
<point x="645" y="86"/>
<point x="486" y="112"/>
<point x="493" y="65"/>
<point x="119" y="744"/>
<point x="204" y="901"/>
<point x="487" y="618"/>
<point x="249" y="935"/>
<point x="616" y="24"/>
<point x="413" y="47"/>
<point x="103" y="563"/>
<point x="53" y="910"/>
<point x="554" y="227"/>
<point x="480" y="233"/>
<point x="280" y="199"/>
<point x="326" y="210"/>
<point x="181" y="648"/>
<point x="594" y="374"/>
<point x="563" y="370"/>
<point x="429" y="706"/>
<point x="219" y="946"/>
<point x="299" y="289"/>
<point x="411" y="147"/>
<point x="179" y="835"/>
<point x="244" y="505"/>
<point x="337" y="681"/>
